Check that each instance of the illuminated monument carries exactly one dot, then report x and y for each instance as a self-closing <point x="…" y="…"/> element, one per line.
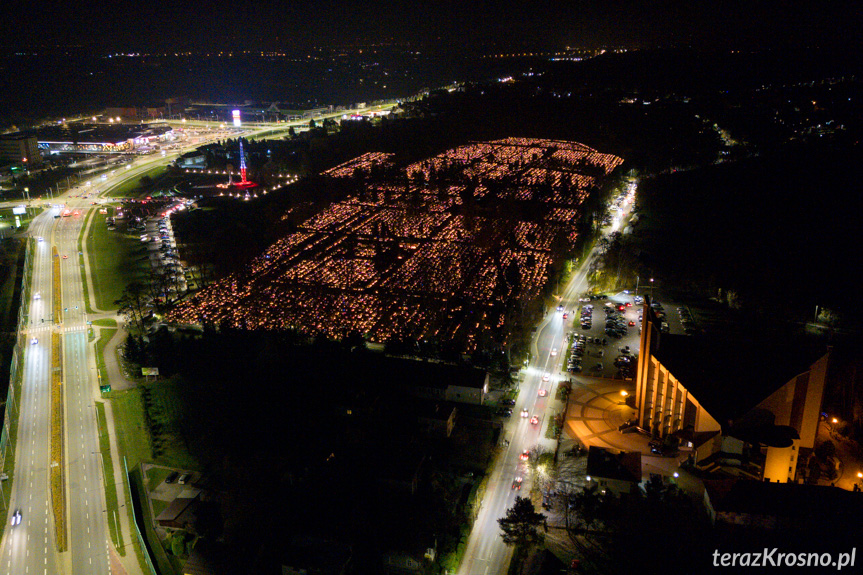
<point x="243" y="183"/>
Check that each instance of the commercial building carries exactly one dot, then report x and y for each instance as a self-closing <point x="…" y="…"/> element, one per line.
<point x="748" y="407"/>
<point x="19" y="148"/>
<point x="101" y="138"/>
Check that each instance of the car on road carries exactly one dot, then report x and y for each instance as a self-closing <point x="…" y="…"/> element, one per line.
<point x="565" y="316"/>
<point x="516" y="483"/>
<point x="525" y="413"/>
<point x="38" y="295"/>
<point x="546" y="376"/>
<point x="65" y="257"/>
<point x="553" y="351"/>
<point x="534" y="420"/>
<point x="34" y="341"/>
<point x="543" y="392"/>
<point x="632" y="323"/>
<point x="16" y="517"/>
<point x="525" y="455"/>
<point x="41" y="239"/>
<point x="560" y="308"/>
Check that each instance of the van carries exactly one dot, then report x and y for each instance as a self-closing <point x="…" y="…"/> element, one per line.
<point x="184" y="478"/>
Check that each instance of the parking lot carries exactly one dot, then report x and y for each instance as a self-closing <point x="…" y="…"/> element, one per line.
<point x="604" y="333"/>
<point x="603" y="337"/>
<point x="162" y="247"/>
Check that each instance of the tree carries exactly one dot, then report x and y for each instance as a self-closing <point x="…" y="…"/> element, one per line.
<point x="521" y="523"/>
<point x="133" y="305"/>
<point x="133" y="349"/>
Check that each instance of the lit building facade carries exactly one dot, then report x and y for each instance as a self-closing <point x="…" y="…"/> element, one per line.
<point x="728" y="403"/>
<point x="19" y="148"/>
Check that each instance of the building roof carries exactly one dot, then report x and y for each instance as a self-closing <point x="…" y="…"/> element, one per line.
<point x="785" y="500"/>
<point x="697" y="438"/>
<point x="15" y="136"/>
<point x="435" y="410"/>
<point x="319" y="556"/>
<point x="375" y="370"/>
<point x="730" y="377"/>
<point x="624" y="467"/>
<point x="209" y="558"/>
<point x="96" y="133"/>
<point x="175" y="508"/>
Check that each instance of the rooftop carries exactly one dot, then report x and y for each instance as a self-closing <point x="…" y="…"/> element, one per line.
<point x="793" y="501"/>
<point x="624" y="466"/>
<point x="710" y="367"/>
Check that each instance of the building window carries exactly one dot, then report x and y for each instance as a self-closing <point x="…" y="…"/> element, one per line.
<point x="790" y="469"/>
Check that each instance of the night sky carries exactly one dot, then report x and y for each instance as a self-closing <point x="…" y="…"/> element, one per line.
<point x="125" y="25"/>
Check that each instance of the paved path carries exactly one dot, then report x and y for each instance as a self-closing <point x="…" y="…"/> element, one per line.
<point x="115" y="374"/>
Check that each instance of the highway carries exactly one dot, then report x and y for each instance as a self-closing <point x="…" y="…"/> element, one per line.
<point x="85" y="498"/>
<point x="486" y="552"/>
<point x="30" y="548"/>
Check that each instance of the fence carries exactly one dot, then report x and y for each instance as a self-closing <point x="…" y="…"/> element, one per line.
<point x="16" y="369"/>
<point x="145" y="550"/>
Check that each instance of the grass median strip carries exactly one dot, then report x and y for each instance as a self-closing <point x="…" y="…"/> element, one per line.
<point x="84" y="285"/>
<point x="58" y="488"/>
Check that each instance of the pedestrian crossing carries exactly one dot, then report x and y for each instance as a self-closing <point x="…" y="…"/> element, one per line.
<point x="61" y="328"/>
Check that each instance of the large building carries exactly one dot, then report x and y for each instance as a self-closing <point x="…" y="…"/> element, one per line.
<point x="19" y="148"/>
<point x="740" y="405"/>
<point x="101" y="138"/>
